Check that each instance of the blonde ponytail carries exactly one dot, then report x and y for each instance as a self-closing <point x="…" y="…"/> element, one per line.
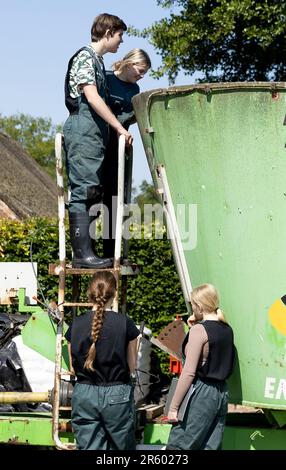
<point x="220" y="315"/>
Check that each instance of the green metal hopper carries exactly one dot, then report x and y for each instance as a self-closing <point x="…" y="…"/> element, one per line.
<point x="221" y="147"/>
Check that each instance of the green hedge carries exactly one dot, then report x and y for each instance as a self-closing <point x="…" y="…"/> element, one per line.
<point x="154" y="296"/>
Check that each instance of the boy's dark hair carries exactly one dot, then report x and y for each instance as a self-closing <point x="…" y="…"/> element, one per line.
<point x="104" y="22"/>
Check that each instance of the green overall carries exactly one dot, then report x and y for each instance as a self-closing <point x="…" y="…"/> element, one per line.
<point x="204" y="420"/>
<point x="85" y="139"/>
<point x="103" y="417"/>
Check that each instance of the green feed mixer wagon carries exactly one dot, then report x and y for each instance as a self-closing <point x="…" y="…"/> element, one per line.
<point x="217" y="155"/>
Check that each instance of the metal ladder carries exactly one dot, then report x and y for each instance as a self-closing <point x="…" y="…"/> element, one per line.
<point x="62" y="270"/>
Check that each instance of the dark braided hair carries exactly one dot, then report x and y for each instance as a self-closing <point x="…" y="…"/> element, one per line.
<point x="101" y="289"/>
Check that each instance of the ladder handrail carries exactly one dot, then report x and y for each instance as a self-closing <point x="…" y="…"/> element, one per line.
<point x="173" y="228"/>
<point x="128" y="190"/>
<point x="120" y="200"/>
<point x="119" y="213"/>
<point x="61" y="295"/>
<point x="61" y="197"/>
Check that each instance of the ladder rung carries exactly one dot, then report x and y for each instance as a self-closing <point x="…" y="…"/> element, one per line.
<point x="128" y="270"/>
<point x="77" y="304"/>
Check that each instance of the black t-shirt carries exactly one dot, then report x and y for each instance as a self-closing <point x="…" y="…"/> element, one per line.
<point x="111" y="348"/>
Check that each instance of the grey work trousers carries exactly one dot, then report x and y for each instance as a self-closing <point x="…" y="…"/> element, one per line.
<point x="103" y="418"/>
<point x="204" y="420"/>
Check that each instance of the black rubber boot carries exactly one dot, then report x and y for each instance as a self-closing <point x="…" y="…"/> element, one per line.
<point x="83" y="255"/>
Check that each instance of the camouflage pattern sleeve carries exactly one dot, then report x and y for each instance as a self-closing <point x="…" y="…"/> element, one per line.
<point x="82" y="72"/>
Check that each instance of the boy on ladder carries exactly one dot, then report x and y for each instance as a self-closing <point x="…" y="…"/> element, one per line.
<point x="86" y="133"/>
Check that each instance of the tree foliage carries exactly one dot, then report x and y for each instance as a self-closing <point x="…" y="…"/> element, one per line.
<point x="225" y="40"/>
<point x="146" y="195"/>
<point x="36" y="135"/>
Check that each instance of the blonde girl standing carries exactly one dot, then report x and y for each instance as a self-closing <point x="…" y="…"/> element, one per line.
<point x="208" y="350"/>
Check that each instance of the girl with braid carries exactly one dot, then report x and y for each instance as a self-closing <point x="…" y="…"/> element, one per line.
<point x="102" y="347"/>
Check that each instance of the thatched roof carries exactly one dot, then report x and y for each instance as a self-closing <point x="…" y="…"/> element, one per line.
<point x="26" y="190"/>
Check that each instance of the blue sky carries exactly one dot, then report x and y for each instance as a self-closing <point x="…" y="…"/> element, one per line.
<point x="38" y="37"/>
